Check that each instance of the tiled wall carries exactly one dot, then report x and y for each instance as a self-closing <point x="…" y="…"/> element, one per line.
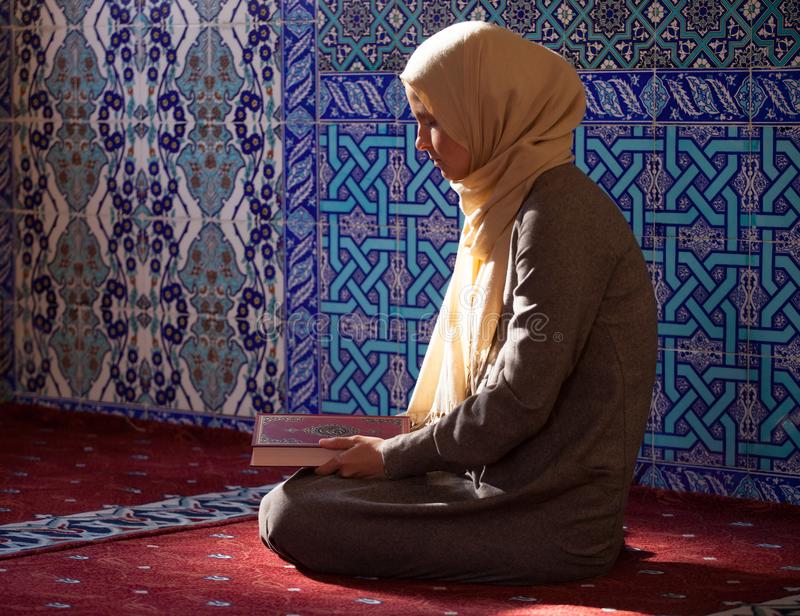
<point x="186" y="174"/>
<point x="6" y="231"/>
<point x="147" y="169"/>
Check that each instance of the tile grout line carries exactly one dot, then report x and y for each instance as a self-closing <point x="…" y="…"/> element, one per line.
<point x="653" y="256"/>
<point x="318" y="185"/>
<point x="751" y="229"/>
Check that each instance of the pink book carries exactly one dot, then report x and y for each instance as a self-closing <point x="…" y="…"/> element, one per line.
<point x="293" y="439"/>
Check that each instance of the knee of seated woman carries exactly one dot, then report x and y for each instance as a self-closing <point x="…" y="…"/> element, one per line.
<point x="264" y="508"/>
<point x="280" y="528"/>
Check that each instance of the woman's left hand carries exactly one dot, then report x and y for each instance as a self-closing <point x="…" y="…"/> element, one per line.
<point x="361" y="457"/>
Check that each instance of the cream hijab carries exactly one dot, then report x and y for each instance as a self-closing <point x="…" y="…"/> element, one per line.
<point x="513" y="105"/>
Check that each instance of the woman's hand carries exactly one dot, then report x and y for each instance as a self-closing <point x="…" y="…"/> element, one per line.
<point x="361" y="457"/>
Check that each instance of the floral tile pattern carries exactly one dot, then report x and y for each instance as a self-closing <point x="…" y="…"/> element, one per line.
<point x="146" y="142"/>
<point x="216" y="206"/>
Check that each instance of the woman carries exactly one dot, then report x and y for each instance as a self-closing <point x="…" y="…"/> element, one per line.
<point x="533" y="395"/>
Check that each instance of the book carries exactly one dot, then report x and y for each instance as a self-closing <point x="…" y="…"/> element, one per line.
<point x="293" y="439"/>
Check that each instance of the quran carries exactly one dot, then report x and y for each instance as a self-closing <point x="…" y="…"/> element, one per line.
<point x="293" y="439"/>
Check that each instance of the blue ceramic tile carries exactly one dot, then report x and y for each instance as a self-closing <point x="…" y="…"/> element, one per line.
<point x="212" y="164"/>
<point x="73" y="83"/>
<point x="773" y="298"/>
<point x="622" y="161"/>
<point x="51" y="350"/>
<point x="176" y="359"/>
<point x="701" y="34"/>
<point x="6" y="166"/>
<point x="7" y="249"/>
<point x="35" y="239"/>
<point x="771" y="184"/>
<point x="356" y="167"/>
<point x="702" y="182"/>
<point x="701" y="289"/>
<point x="608" y="36"/>
<point x="377" y="97"/>
<point x="357" y="282"/>
<point x="144" y="14"/>
<point x="626" y="97"/>
<point x="77" y="269"/>
<point x="199" y="302"/>
<point x="7" y="372"/>
<point x="772" y="404"/>
<point x="357" y="36"/>
<point x="144" y="351"/>
<point x="359" y="243"/>
<point x="774" y="96"/>
<point x="700" y="96"/>
<point x="298" y="10"/>
<point x="416" y="188"/>
<point x="7" y="307"/>
<point x="429" y="223"/>
<point x="42" y="14"/>
<point x="719" y="481"/>
<point x="29" y="96"/>
<point x="775" y="34"/>
<point x="630" y="97"/>
<point x="301" y="303"/>
<point x="693" y="413"/>
<point x="78" y="153"/>
<point x="172" y="356"/>
<point x="6" y="71"/>
<point x="423" y="266"/>
<point x="48" y="14"/>
<point x="612" y="35"/>
<point x="357" y="367"/>
<point x="300" y="155"/>
<point x="29" y="13"/>
<point x="357" y="268"/>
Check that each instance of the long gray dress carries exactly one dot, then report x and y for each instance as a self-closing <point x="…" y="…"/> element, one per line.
<point x="525" y="481"/>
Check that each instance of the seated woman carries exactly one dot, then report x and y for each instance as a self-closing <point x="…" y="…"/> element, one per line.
<point x="533" y="396"/>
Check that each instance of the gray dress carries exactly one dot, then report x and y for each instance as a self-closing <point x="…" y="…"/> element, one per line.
<point x="526" y="480"/>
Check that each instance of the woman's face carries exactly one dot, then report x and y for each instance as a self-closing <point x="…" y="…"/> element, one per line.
<point x="450" y="157"/>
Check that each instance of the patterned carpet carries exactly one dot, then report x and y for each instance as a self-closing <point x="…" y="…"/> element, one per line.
<point x="56" y="463"/>
<point x="186" y="543"/>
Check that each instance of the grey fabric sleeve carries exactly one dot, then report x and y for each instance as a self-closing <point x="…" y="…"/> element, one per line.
<point x="563" y="264"/>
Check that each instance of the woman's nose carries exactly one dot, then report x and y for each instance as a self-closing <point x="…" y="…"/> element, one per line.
<point x="422" y="142"/>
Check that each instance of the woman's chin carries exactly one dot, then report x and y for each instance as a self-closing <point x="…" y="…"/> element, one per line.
<point x="449" y="177"/>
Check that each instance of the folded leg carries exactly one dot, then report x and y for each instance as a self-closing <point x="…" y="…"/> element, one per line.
<point x="430" y="527"/>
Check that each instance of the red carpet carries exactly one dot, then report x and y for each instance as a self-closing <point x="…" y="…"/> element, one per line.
<point x="186" y="572"/>
<point x="62" y="462"/>
<point x="687" y="554"/>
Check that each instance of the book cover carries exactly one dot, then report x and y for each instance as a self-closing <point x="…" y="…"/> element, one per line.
<point x="293" y="440"/>
<point x="305" y="430"/>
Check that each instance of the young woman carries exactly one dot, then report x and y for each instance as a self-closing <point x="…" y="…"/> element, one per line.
<point x="533" y="395"/>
